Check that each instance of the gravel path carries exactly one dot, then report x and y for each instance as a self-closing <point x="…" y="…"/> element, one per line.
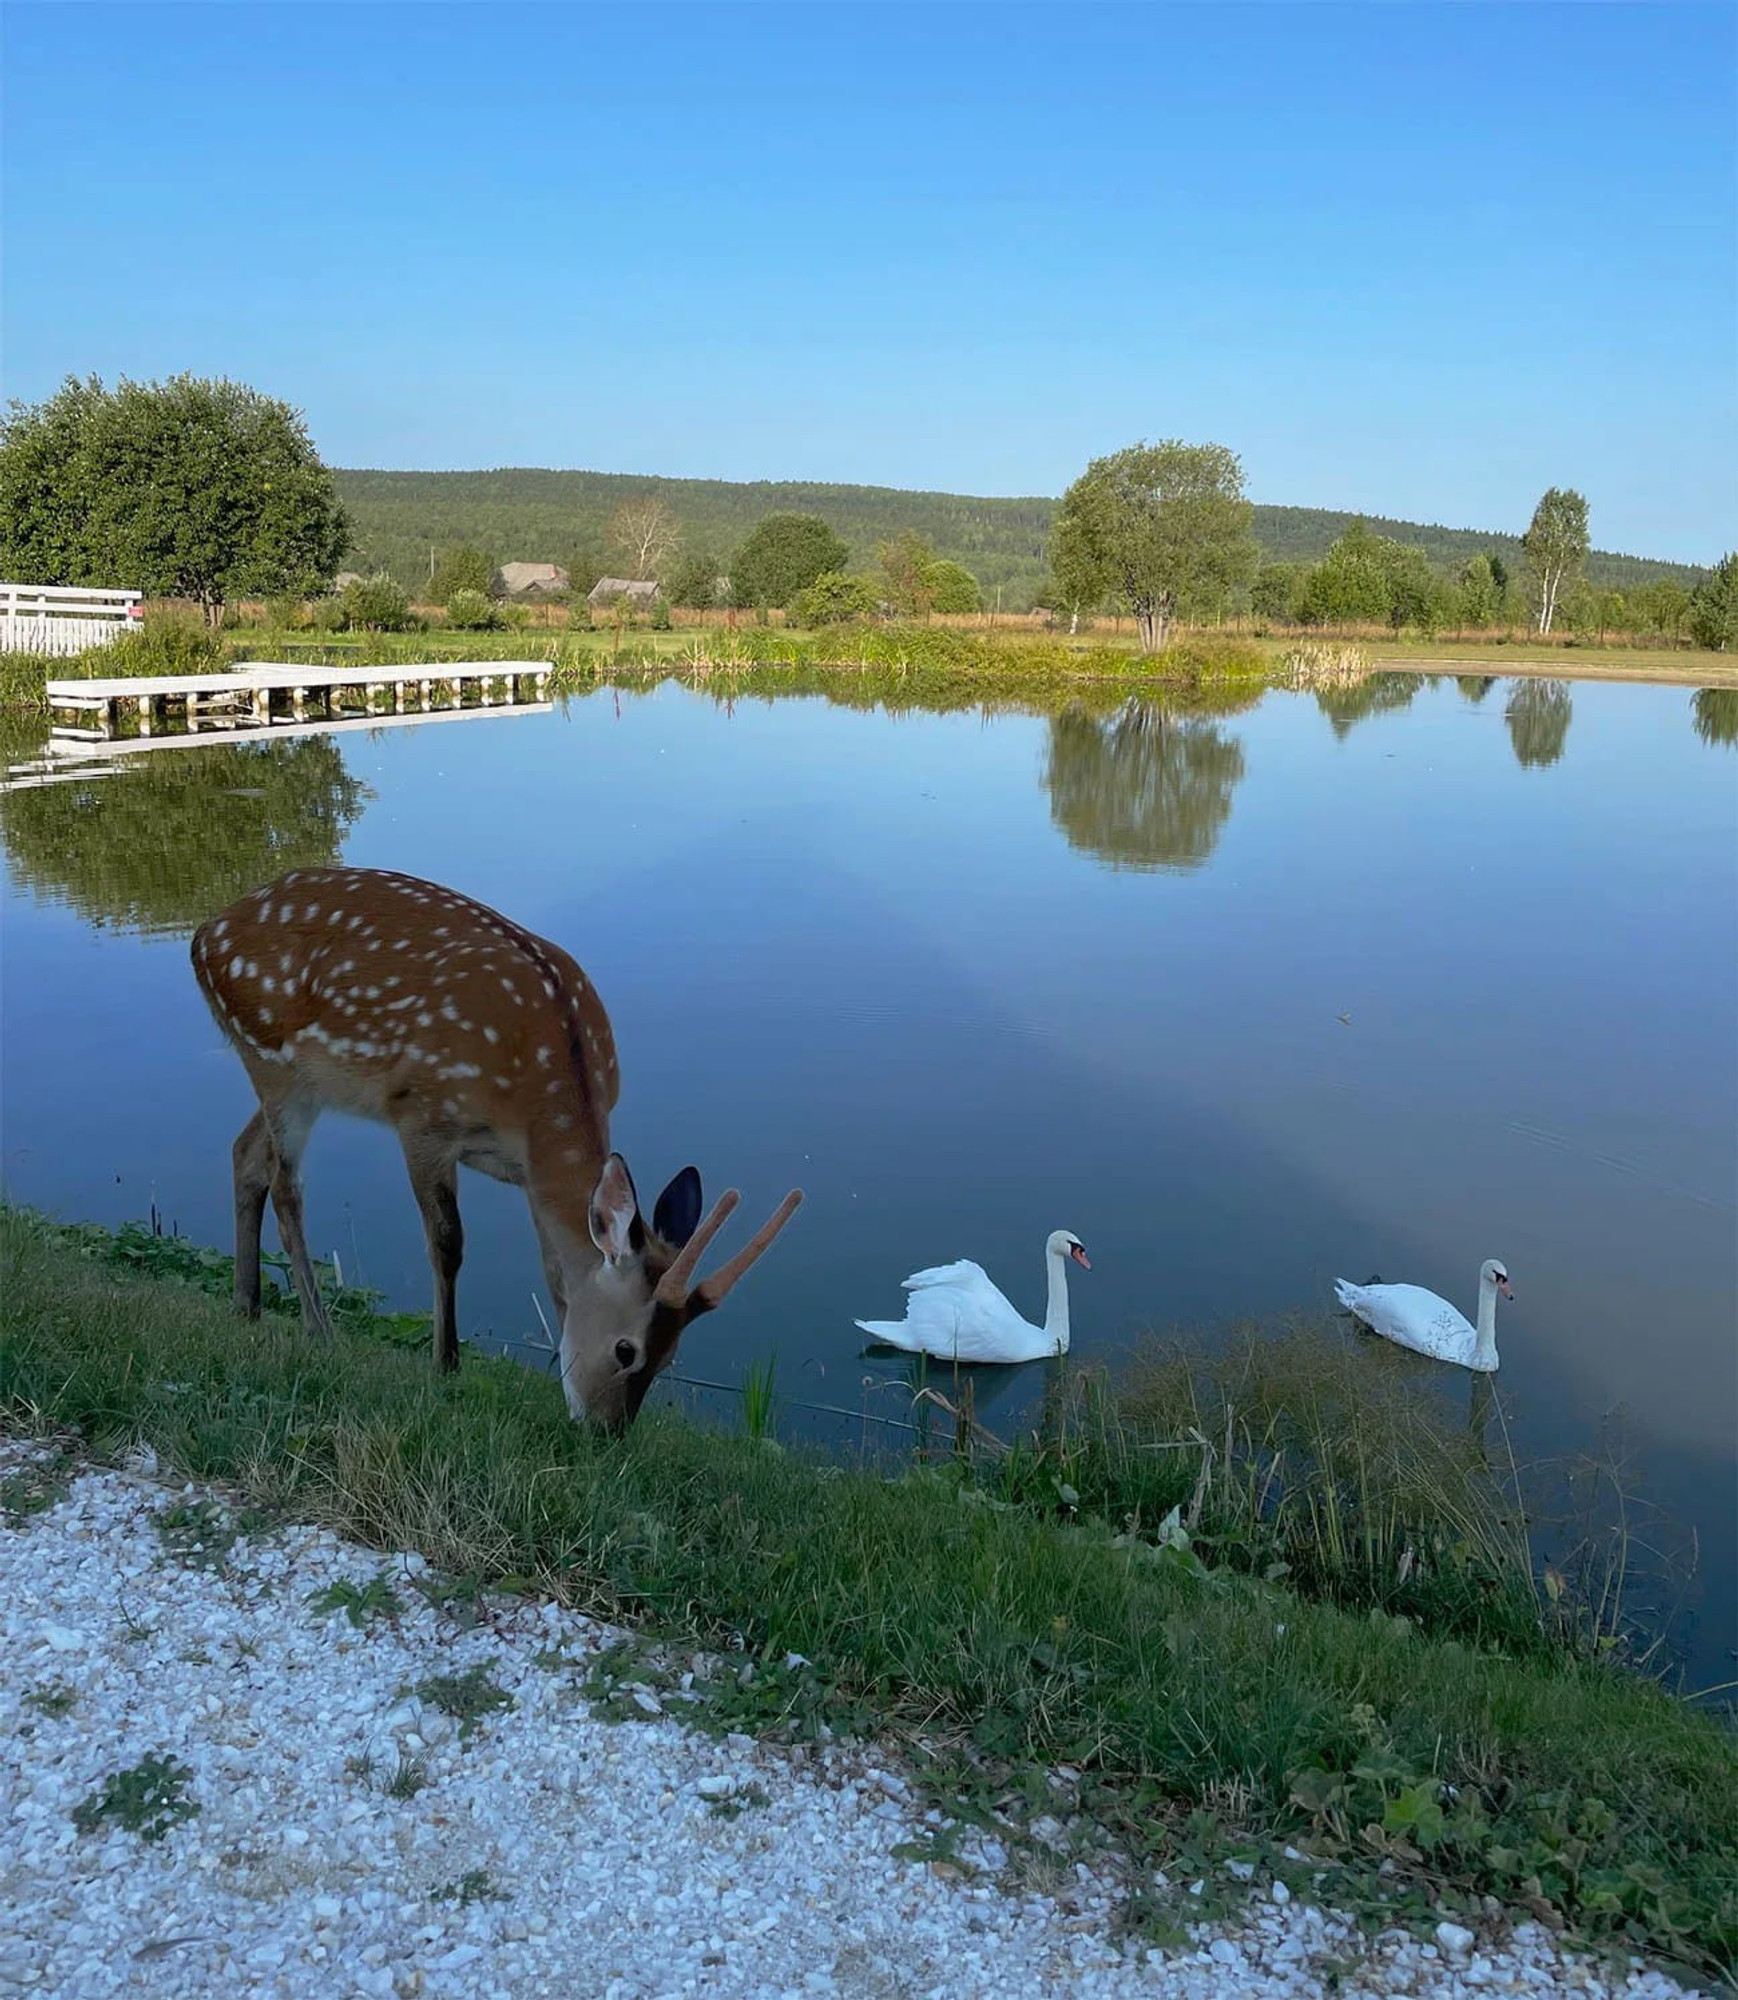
<point x="546" y="1852"/>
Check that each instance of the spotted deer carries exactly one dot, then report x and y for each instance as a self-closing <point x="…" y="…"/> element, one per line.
<point x="360" y="990"/>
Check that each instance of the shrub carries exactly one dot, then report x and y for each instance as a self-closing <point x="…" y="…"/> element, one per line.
<point x="834" y="598"/>
<point x="169" y="642"/>
<point x="286" y="612"/>
<point x="471" y="611"/>
<point x="377" y="603"/>
<point x="326" y="614"/>
<point x="660" y="615"/>
<point x="953" y="588"/>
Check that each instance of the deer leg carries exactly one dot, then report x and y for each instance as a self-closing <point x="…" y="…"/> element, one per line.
<point x="287" y="1127"/>
<point x="552" y="1274"/>
<point x="252" y="1154"/>
<point x="436" y="1187"/>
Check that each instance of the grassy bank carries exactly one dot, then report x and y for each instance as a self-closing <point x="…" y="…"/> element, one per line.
<point x="938" y="662"/>
<point x="1206" y="1699"/>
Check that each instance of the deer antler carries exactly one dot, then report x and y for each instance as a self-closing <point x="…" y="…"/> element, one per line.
<point x="673" y="1286"/>
<point x="710" y="1291"/>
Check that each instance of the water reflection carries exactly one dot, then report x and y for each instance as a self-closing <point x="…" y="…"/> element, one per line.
<point x="1715" y="714"/>
<point x="1475" y="686"/>
<point x="1538" y="714"/>
<point x="1144" y="788"/>
<point x="160" y="845"/>
<point x="1375" y="694"/>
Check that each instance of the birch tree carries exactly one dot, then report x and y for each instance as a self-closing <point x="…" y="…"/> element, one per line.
<point x="1556" y="546"/>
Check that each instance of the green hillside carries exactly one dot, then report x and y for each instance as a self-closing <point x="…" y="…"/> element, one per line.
<point x="526" y="514"/>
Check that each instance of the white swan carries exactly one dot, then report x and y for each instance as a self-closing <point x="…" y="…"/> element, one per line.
<point x="1430" y="1325"/>
<point x="957" y="1314"/>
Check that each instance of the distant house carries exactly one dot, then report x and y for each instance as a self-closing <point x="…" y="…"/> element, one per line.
<point x="608" y="588"/>
<point x="344" y="579"/>
<point x="526" y="579"/>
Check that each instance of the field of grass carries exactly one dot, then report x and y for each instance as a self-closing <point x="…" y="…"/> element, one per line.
<point x="1340" y="1718"/>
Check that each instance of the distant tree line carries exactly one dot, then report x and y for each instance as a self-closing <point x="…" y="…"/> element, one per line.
<point x="209" y="490"/>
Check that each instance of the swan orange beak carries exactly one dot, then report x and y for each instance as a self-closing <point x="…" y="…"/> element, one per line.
<point x="1080" y="1257"/>
<point x="1503" y="1287"/>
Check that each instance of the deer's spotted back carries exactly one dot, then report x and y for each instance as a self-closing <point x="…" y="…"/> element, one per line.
<point x="376" y="982"/>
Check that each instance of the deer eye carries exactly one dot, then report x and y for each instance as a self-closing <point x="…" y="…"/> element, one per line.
<point x="627" y="1354"/>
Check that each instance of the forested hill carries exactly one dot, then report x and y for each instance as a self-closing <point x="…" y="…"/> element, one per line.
<point x="530" y="515"/>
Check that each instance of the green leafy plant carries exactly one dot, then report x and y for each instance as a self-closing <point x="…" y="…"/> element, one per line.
<point x="466" y="1697"/>
<point x="148" y="1799"/>
<point x="358" y="1601"/>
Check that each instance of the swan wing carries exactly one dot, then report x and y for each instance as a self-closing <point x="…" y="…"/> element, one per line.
<point x="1413" y="1317"/>
<point x="957" y="1313"/>
<point x="965" y="1273"/>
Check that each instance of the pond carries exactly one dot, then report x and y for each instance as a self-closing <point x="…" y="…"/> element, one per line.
<point x="1383" y="981"/>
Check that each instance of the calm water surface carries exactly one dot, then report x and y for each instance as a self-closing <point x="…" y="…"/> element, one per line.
<point x="1388" y="982"/>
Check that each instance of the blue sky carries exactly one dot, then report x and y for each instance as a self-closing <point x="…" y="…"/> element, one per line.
<point x="1414" y="259"/>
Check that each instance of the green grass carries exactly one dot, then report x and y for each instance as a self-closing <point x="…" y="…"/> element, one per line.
<point x="998" y="1634"/>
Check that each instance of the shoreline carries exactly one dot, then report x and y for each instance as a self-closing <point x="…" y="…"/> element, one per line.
<point x="1217" y="1727"/>
<point x="362" y="1786"/>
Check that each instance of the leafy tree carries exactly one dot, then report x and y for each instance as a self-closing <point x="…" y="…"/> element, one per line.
<point x="1555" y="545"/>
<point x="1417" y="596"/>
<point x="1479" y="593"/>
<point x="906" y="563"/>
<point x="1277" y="591"/>
<point x="643" y="533"/>
<point x="1349" y="586"/>
<point x="1713" y="610"/>
<point x="377" y="603"/>
<point x="461" y="568"/>
<point x="1538" y="714"/>
<point x="1660" y="607"/>
<point x="1078" y="576"/>
<point x="953" y="588"/>
<point x="185" y="488"/>
<point x="584" y="572"/>
<point x="1164" y="525"/>
<point x="784" y="554"/>
<point x="694" y="580"/>
<point x="836" y="599"/>
<point x="166" y="846"/>
<point x="1144" y="789"/>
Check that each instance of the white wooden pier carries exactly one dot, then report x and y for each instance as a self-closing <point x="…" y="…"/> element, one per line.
<point x="275" y="694"/>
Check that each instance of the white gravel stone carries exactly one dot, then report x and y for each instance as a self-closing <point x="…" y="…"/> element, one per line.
<point x="547" y="1851"/>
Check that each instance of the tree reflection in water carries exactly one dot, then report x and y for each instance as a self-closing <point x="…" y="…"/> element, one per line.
<point x="1715" y="713"/>
<point x="1538" y="714"/>
<point x="1475" y="686"/>
<point x="1143" y="788"/>
<point x="1375" y="694"/>
<point x="162" y="844"/>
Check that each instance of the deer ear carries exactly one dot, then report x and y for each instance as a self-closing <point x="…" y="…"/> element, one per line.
<point x="677" y="1214"/>
<point x="615" y="1209"/>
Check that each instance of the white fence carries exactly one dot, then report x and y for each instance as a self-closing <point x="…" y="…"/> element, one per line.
<point x="47" y="618"/>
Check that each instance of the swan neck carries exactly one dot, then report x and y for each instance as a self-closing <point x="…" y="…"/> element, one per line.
<point x="1487" y="1326"/>
<point x="1056" y="1310"/>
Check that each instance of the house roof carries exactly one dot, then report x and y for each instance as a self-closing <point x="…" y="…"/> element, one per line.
<point x="619" y="586"/>
<point x="532" y="576"/>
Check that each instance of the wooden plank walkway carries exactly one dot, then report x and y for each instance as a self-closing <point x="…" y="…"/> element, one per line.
<point x="274" y="693"/>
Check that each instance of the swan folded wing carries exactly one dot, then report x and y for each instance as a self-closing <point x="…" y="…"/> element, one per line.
<point x="1411" y="1315"/>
